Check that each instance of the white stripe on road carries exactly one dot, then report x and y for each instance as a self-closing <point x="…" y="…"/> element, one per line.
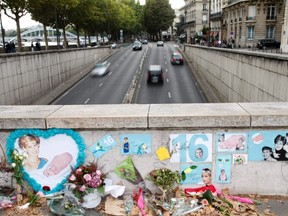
<point x="167" y="80"/>
<point x="100" y="84"/>
<point x="86" y="101"/>
<point x="169" y="94"/>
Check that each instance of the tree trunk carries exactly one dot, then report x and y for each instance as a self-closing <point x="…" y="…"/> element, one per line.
<point x="19" y="40"/>
<point x="45" y="37"/>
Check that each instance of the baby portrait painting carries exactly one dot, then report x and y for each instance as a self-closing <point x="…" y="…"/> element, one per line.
<point x="49" y="159"/>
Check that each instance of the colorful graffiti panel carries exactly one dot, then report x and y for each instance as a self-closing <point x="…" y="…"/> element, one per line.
<point x="135" y="144"/>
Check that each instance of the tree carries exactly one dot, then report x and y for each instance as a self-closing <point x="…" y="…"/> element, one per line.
<point x="18" y="10"/>
<point x="158" y="16"/>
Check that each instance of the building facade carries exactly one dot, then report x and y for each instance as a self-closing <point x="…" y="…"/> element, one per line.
<point x="241" y="22"/>
<point x="247" y="21"/>
<point x="196" y="17"/>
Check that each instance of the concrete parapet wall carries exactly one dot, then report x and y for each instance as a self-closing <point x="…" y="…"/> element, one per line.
<point x="240" y="75"/>
<point x="26" y="78"/>
<point x="95" y="121"/>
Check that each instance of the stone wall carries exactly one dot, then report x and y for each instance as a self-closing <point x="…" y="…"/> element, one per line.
<point x="240" y="75"/>
<point x="161" y="121"/>
<point x="31" y="77"/>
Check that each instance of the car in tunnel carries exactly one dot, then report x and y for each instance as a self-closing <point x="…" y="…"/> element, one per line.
<point x="100" y="69"/>
<point x="155" y="74"/>
<point x="137" y="45"/>
<point x="177" y="58"/>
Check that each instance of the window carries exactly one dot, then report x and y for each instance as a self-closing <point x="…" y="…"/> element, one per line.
<point x="250" y="32"/>
<point x="270" y="32"/>
<point x="205" y="7"/>
<point x="251" y="12"/>
<point x="271" y="12"/>
<point x="204" y="19"/>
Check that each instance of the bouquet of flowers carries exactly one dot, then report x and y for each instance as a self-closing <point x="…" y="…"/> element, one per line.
<point x="85" y="179"/>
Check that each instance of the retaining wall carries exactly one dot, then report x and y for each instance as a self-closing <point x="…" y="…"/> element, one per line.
<point x="241" y="75"/>
<point x="31" y="77"/>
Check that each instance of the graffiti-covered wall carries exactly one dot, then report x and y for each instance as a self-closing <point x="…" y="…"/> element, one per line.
<point x="245" y="144"/>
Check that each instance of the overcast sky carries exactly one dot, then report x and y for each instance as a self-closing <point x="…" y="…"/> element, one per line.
<point x="26" y="21"/>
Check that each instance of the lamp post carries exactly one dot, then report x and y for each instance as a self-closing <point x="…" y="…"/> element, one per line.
<point x="209" y="23"/>
<point x="2" y="30"/>
<point x="185" y="13"/>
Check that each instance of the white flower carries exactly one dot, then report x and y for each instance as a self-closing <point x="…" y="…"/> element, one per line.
<point x="23" y="163"/>
<point x="25" y="155"/>
<point x="21" y="157"/>
<point x="13" y="164"/>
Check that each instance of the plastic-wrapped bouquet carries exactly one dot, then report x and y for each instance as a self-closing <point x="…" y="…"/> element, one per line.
<point x="86" y="179"/>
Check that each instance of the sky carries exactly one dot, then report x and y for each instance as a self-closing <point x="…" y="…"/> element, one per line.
<point x="26" y="21"/>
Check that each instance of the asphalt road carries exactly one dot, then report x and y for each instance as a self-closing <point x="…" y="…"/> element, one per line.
<point x="127" y="76"/>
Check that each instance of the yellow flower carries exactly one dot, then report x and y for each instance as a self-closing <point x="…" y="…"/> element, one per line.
<point x="13" y="164"/>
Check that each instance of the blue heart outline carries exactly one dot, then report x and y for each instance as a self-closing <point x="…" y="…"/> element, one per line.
<point x="46" y="134"/>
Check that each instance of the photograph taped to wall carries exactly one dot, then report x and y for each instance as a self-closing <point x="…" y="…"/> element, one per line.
<point x="136" y="144"/>
<point x="190" y="147"/>
<point x="50" y="155"/>
<point x="229" y="142"/>
<point x="223" y="168"/>
<point x="193" y="176"/>
<point x="268" y="146"/>
<point x="102" y="146"/>
<point x="239" y="159"/>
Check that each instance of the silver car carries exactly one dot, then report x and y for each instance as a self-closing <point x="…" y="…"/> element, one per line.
<point x="101" y="69"/>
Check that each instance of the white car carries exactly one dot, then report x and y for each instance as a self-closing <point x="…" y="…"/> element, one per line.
<point x="160" y="43"/>
<point x="101" y="69"/>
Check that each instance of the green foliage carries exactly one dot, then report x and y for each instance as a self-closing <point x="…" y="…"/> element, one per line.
<point x="164" y="178"/>
<point x="158" y="16"/>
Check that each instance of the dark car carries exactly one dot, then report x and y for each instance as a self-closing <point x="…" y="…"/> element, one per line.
<point x="155" y="74"/>
<point x="268" y="43"/>
<point x="177" y="58"/>
<point x="137" y="45"/>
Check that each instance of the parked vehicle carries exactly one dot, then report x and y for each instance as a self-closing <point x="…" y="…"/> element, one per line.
<point x="177" y="58"/>
<point x="155" y="74"/>
<point x="137" y="45"/>
<point x="101" y="69"/>
<point x="268" y="43"/>
<point x="160" y="43"/>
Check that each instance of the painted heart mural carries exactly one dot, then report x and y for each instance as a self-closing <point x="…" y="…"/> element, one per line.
<point x="50" y="156"/>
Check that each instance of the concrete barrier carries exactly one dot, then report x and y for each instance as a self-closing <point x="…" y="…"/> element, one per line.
<point x="161" y="121"/>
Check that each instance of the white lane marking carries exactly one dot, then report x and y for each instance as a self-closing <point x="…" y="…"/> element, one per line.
<point x="166" y="70"/>
<point x="165" y="62"/>
<point x="86" y="101"/>
<point x="117" y="65"/>
<point x="110" y="73"/>
<point x="169" y="94"/>
<point x="167" y="80"/>
<point x="65" y="93"/>
<point x="196" y="83"/>
<point x="100" y="84"/>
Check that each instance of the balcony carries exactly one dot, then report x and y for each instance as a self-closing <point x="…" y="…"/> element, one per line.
<point x="217" y="15"/>
<point x="271" y="17"/>
<point x="230" y="2"/>
<point x="251" y="18"/>
<point x="204" y="21"/>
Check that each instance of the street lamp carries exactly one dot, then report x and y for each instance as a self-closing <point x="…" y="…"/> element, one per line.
<point x="2" y="30"/>
<point x="209" y="24"/>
